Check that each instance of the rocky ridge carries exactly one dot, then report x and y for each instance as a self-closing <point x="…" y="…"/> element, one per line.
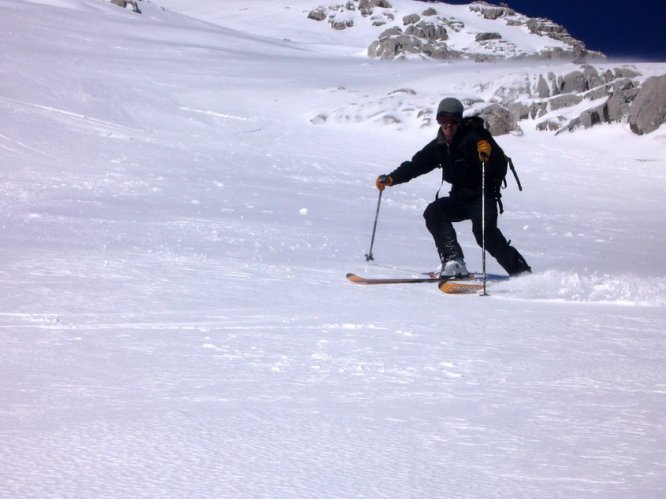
<point x="432" y="32"/>
<point x="555" y="101"/>
<point x="550" y="102"/>
<point x="611" y="95"/>
<point x="607" y="96"/>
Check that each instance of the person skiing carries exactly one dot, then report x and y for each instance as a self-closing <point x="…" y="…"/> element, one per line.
<point x="460" y="149"/>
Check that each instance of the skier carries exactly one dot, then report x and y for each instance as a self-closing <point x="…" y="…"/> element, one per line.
<point x="459" y="149"/>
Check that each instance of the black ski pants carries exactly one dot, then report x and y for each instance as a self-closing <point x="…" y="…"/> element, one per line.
<point x="443" y="212"/>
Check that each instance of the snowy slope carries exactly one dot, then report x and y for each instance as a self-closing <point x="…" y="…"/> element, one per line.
<point x="175" y="319"/>
<point x="288" y="20"/>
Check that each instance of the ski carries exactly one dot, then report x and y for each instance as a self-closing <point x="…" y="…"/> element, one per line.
<point x="356" y="279"/>
<point x="468" y="286"/>
<point x="454" y="285"/>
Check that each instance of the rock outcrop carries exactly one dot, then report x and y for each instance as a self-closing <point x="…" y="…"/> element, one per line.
<point x="426" y="34"/>
<point x="612" y="96"/>
<point x="647" y="111"/>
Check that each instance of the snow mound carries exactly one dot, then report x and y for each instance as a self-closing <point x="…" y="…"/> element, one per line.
<point x="618" y="289"/>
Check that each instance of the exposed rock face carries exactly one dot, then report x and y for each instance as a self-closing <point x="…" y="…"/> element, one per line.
<point x="619" y="92"/>
<point x="339" y="16"/>
<point x="616" y="99"/>
<point x="619" y="89"/>
<point x="612" y="96"/>
<point x="489" y="11"/>
<point x="430" y="30"/>
<point x="648" y="110"/>
<point x="394" y="43"/>
<point x="615" y="109"/>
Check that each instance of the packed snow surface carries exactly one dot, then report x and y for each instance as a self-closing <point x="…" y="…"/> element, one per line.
<point x="183" y="192"/>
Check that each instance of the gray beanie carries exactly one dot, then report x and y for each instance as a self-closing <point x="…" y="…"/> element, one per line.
<point x="450" y="107"/>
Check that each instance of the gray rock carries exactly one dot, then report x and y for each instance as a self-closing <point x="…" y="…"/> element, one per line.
<point x="394" y="31"/>
<point x="648" y="109"/>
<point x="428" y="31"/>
<point x="597" y="93"/>
<point x="340" y="25"/>
<point x="393" y="46"/>
<point x="571" y="126"/>
<point x="393" y="43"/>
<point x="411" y="19"/>
<point x="592" y="76"/>
<point x="538" y="109"/>
<point x="548" y="126"/>
<point x="318" y="14"/>
<point x="554" y="90"/>
<point x="481" y="37"/>
<point x="626" y="73"/>
<point x="542" y="88"/>
<point x="545" y="27"/>
<point x="617" y="106"/>
<point x="607" y="76"/>
<point x="365" y="7"/>
<point x="499" y="120"/>
<point x="520" y="110"/>
<point x="491" y="11"/>
<point x="562" y="101"/>
<point x="590" y="117"/>
<point x="440" y="51"/>
<point x="403" y="91"/>
<point x="572" y="82"/>
<point x="614" y="110"/>
<point x="125" y="3"/>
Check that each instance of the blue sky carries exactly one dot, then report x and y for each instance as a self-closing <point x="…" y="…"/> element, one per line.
<point x="618" y="28"/>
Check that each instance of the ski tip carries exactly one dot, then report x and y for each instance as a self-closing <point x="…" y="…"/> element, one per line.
<point x="459" y="288"/>
<point x="354" y="278"/>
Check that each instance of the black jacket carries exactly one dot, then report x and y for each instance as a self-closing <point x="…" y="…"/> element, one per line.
<point x="460" y="163"/>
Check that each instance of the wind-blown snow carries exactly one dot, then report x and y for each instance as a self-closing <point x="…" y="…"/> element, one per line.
<point x="175" y="319"/>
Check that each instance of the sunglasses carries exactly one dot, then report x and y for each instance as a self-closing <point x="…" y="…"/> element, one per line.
<point x="448" y="120"/>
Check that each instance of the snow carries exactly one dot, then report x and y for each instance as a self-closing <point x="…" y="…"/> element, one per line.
<point x="175" y="319"/>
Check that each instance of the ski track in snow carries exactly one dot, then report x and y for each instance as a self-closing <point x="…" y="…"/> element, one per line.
<point x="175" y="320"/>
<point x="240" y="404"/>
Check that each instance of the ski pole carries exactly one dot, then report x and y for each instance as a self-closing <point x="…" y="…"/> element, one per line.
<point x="368" y="255"/>
<point x="483" y="225"/>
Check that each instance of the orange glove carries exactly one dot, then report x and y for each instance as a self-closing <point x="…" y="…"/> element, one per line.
<point x="483" y="148"/>
<point x="383" y="181"/>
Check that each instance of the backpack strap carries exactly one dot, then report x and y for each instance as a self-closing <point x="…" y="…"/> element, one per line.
<point x="515" y="175"/>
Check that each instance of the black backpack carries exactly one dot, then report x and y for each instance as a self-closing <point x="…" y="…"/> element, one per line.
<point x="501" y="162"/>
